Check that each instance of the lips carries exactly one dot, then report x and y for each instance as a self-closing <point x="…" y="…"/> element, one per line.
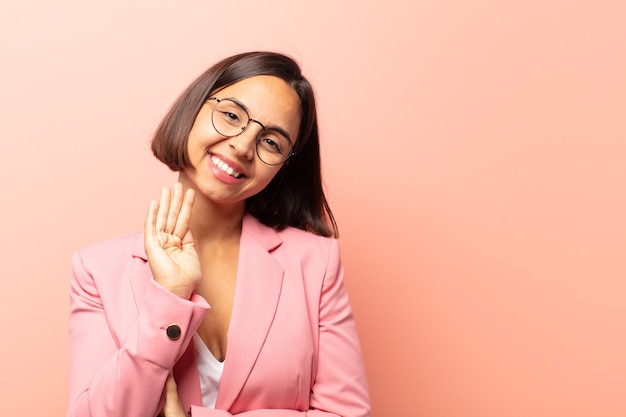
<point x="225" y="168"/>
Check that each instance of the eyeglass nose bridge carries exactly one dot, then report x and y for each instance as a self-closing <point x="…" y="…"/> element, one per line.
<point x="244" y="128"/>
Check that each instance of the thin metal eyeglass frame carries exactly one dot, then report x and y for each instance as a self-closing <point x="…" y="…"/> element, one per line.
<point x="250" y="119"/>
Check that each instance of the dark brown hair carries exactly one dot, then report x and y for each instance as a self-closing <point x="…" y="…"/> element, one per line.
<point x="295" y="196"/>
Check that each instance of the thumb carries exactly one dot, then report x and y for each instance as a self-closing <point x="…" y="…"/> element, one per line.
<point x="170" y="385"/>
<point x="172" y="406"/>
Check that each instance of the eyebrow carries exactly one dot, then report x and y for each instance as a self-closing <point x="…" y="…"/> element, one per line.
<point x="276" y="128"/>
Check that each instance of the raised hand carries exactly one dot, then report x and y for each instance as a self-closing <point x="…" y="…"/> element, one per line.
<point x="168" y="242"/>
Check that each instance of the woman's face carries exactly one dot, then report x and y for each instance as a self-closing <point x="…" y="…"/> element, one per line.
<point x="227" y="169"/>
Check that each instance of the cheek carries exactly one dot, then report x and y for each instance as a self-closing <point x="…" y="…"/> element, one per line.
<point x="201" y="129"/>
<point x="193" y="149"/>
<point x="199" y="138"/>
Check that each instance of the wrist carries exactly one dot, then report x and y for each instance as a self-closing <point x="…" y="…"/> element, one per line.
<point x="183" y="292"/>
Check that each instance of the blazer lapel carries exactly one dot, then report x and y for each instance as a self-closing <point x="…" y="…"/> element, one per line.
<point x="259" y="281"/>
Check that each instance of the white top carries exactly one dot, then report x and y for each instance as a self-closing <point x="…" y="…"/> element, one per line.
<point x="210" y="370"/>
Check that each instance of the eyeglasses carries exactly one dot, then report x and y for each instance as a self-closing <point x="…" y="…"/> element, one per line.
<point x="230" y="119"/>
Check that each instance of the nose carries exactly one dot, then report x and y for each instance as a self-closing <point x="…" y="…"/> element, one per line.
<point x="244" y="144"/>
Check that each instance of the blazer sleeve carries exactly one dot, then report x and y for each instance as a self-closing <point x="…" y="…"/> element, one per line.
<point x="340" y="386"/>
<point x="114" y="374"/>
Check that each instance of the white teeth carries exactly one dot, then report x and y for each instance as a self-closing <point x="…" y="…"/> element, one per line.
<point x="224" y="167"/>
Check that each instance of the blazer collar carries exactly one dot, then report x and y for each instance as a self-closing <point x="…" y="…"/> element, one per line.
<point x="265" y="236"/>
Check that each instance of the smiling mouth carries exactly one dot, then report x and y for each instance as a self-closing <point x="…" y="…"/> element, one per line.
<point x="225" y="167"/>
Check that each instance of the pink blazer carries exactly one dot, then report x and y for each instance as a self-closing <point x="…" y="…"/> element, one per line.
<point x="293" y="349"/>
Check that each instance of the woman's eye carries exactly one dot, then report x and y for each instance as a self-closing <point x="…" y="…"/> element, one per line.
<point x="271" y="145"/>
<point x="232" y="117"/>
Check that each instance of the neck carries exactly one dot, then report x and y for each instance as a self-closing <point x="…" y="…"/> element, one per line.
<point x="211" y="222"/>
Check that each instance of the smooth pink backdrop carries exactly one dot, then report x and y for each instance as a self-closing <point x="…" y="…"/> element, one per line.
<point x="474" y="155"/>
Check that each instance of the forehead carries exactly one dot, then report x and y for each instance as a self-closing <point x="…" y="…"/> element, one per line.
<point x="268" y="99"/>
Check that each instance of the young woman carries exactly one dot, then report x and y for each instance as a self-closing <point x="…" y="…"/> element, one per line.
<point x="231" y="301"/>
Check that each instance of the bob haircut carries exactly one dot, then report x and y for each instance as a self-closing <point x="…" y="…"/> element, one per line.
<point x="295" y="196"/>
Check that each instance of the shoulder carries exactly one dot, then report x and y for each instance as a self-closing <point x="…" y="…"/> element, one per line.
<point x="297" y="238"/>
<point x="112" y="253"/>
<point x="118" y="245"/>
<point x="290" y="239"/>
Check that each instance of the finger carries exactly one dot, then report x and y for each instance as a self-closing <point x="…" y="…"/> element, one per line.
<point x="170" y="385"/>
<point x="164" y="207"/>
<point x="175" y="203"/>
<point x="172" y="406"/>
<point x="170" y="391"/>
<point x="184" y="217"/>
<point x="149" y="224"/>
<point x="148" y="227"/>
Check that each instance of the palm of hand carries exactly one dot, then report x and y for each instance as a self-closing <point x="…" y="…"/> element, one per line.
<point x="177" y="259"/>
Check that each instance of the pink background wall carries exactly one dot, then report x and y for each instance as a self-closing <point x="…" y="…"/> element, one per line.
<point x="474" y="155"/>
